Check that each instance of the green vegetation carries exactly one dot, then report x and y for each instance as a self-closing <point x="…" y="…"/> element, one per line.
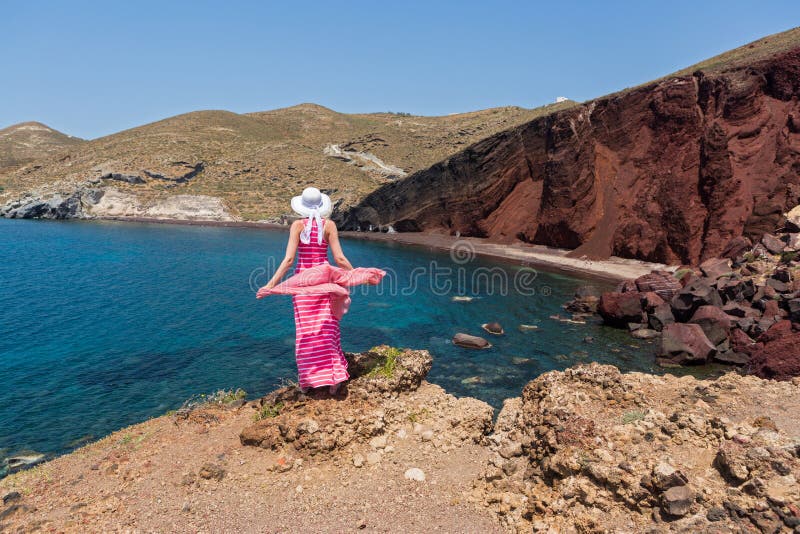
<point x="680" y="273"/>
<point x="223" y="397"/>
<point x="416" y="417"/>
<point x="387" y="367"/>
<point x="268" y="411"/>
<point x="750" y="257"/>
<point x="632" y="417"/>
<point x="788" y="256"/>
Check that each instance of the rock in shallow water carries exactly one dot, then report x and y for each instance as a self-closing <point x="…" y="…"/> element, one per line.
<point x="493" y="328"/>
<point x="470" y="342"/>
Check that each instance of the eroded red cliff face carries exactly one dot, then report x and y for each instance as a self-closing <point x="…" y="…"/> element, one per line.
<point x="668" y="172"/>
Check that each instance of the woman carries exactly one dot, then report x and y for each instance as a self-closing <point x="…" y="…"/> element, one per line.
<point x="319" y="298"/>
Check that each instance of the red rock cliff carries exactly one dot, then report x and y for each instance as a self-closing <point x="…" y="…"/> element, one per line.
<point x="669" y="172"/>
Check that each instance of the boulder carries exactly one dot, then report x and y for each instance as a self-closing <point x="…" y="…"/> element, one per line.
<point x="660" y="317"/>
<point x="793" y="243"/>
<point x="779" y="286"/>
<point x="772" y="244"/>
<point x="619" y="309"/>
<point x="731" y="357"/>
<point x="741" y="342"/>
<point x="698" y="293"/>
<point x="737" y="290"/>
<point x="493" y="328"/>
<point x="740" y="309"/>
<point x="773" y="310"/>
<point x="650" y="301"/>
<point x="663" y="283"/>
<point x="685" y="344"/>
<point x="792" y="223"/>
<point x="736" y="248"/>
<point x="762" y="325"/>
<point x="470" y="342"/>
<point x="715" y="323"/>
<point x="777" y="354"/>
<point x="782" y="274"/>
<point x="716" y="268"/>
<point x="793" y="306"/>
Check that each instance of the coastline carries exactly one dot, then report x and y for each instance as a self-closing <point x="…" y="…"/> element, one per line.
<point x="406" y="455"/>
<point x="548" y="259"/>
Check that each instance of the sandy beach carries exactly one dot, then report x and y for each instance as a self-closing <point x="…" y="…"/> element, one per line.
<point x="548" y="259"/>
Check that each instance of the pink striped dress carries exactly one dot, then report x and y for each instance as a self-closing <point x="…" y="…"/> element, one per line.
<point x="318" y="345"/>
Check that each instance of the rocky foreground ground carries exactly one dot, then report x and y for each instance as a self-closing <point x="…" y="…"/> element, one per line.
<point x="585" y="450"/>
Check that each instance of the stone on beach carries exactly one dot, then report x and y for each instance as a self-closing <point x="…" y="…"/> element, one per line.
<point x="470" y="342"/>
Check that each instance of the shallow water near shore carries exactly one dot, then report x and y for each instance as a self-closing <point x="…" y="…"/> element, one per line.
<point x="105" y="324"/>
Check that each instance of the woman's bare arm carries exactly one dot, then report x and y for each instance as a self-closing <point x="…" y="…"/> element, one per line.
<point x="291" y="250"/>
<point x="336" y="248"/>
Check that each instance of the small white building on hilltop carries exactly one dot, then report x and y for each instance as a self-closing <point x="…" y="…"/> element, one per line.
<point x="560" y="99"/>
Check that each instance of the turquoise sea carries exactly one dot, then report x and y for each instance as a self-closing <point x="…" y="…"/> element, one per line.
<point x="105" y="324"/>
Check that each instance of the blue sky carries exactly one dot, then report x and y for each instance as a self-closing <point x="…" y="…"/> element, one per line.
<point x="93" y="68"/>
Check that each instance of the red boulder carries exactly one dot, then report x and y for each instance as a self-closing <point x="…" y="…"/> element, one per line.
<point x="663" y="283"/>
<point x="619" y="309"/>
<point x="779" y="356"/>
<point x="685" y="344"/>
<point x="715" y="323"/>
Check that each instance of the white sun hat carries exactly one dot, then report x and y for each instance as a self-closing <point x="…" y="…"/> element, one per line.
<point x="315" y="205"/>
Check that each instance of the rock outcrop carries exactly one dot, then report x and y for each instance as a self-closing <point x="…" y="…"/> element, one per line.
<point x="743" y="309"/>
<point x="675" y="171"/>
<point x="592" y="450"/>
<point x="382" y="395"/>
<point x="90" y="200"/>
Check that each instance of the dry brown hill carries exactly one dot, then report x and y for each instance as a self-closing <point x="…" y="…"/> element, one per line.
<point x="29" y="141"/>
<point x="255" y="162"/>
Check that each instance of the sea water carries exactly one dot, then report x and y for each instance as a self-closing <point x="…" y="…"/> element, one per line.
<point x="105" y="324"/>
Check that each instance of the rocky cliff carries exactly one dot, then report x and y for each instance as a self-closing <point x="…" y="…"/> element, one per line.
<point x="588" y="449"/>
<point x="671" y="171"/>
<point x="591" y="449"/>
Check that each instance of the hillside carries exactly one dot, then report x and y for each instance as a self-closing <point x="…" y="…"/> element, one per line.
<point x="670" y="171"/>
<point x="30" y="141"/>
<point x="255" y="162"/>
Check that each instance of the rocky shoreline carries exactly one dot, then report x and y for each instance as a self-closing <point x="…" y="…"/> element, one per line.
<point x="586" y="449"/>
<point x="740" y="309"/>
<point x="93" y="199"/>
<point x="88" y="202"/>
